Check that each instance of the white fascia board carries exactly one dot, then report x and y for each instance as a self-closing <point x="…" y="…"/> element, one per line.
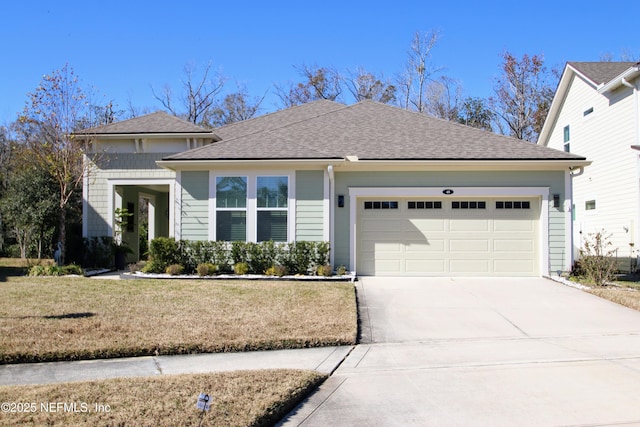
<point x="629" y="74"/>
<point x="462" y="165"/>
<point x="245" y="164"/>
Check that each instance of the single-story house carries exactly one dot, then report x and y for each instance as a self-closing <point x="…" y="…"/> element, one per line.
<point x="395" y="192"/>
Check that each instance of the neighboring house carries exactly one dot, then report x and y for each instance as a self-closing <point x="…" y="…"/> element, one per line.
<point x="596" y="112"/>
<point x="396" y="193"/>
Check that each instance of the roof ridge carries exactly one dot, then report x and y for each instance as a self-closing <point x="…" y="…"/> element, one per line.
<point x="343" y="106"/>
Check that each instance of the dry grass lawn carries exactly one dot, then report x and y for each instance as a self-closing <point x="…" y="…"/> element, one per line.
<point x="248" y="398"/>
<point x="624" y="296"/>
<point x="70" y="318"/>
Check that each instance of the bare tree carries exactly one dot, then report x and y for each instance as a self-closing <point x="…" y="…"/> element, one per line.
<point x="443" y="98"/>
<point x="198" y="94"/>
<point x="319" y="83"/>
<point x="418" y="71"/>
<point x="365" y="85"/>
<point x="475" y="113"/>
<point x="55" y="110"/>
<point x="523" y="95"/>
<point x="234" y="107"/>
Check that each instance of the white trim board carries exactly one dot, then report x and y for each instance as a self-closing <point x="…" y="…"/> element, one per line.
<point x="542" y="192"/>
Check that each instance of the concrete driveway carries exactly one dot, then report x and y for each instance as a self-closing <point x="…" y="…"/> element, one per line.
<point x="491" y="351"/>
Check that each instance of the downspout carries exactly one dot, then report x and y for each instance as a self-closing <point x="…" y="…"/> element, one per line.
<point x="332" y="189"/>
<point x="626" y="83"/>
<point x="572" y="207"/>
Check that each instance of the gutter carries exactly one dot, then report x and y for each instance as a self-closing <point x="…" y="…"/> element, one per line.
<point x="621" y="80"/>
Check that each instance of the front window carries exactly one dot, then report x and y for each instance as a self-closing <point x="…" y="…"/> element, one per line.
<point x="231" y="208"/>
<point x="272" y="208"/>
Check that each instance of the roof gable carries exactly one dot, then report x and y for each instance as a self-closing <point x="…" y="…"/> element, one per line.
<point x="159" y="122"/>
<point x="369" y="131"/>
<point x="602" y="76"/>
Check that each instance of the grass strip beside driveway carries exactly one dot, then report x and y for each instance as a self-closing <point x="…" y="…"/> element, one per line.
<point x="243" y="398"/>
<point x="73" y="318"/>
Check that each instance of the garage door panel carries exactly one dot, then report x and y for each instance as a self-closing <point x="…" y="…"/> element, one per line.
<point x="514" y="245"/>
<point x="510" y="225"/>
<point x="514" y="266"/>
<point x="468" y="245"/>
<point x="428" y="266"/>
<point x="469" y="225"/>
<point x="382" y="224"/>
<point x="469" y="266"/>
<point x="428" y="246"/>
<point x="427" y="225"/>
<point x="448" y="241"/>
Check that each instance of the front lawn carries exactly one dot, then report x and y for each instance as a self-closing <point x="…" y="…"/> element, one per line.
<point x="247" y="398"/>
<point x="71" y="318"/>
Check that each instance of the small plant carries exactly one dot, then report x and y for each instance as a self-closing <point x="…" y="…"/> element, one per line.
<point x="206" y="269"/>
<point x="325" y="270"/>
<point x="174" y="269"/>
<point x="241" y="268"/>
<point x="341" y="270"/>
<point x="597" y="259"/>
<point x="276" y="270"/>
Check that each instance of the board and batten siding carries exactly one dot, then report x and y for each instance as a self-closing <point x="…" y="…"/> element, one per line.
<point x="309" y="205"/>
<point x="195" y="205"/>
<point x="554" y="180"/>
<point x="605" y="137"/>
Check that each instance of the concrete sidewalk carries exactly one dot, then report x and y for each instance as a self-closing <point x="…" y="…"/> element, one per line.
<point x="324" y="360"/>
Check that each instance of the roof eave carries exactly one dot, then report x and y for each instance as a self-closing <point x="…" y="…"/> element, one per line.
<point x="124" y="135"/>
<point x="627" y="75"/>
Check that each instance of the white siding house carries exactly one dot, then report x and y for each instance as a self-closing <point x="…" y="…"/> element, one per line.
<point x="596" y="112"/>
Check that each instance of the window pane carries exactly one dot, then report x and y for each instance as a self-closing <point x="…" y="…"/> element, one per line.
<point x="231" y="192"/>
<point x="231" y="225"/>
<point x="273" y="191"/>
<point x="272" y="225"/>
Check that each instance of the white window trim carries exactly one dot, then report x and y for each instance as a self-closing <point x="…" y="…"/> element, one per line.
<point x="402" y="192"/>
<point x="252" y="202"/>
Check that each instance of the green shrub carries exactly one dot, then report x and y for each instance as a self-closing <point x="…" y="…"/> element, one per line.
<point x="321" y="253"/>
<point x="276" y="270"/>
<point x="54" y="270"/>
<point x="299" y="257"/>
<point x="324" y="270"/>
<point x="72" y="269"/>
<point x="206" y="269"/>
<point x="341" y="270"/>
<point x="98" y="252"/>
<point x="174" y="269"/>
<point x="163" y="252"/>
<point x="597" y="259"/>
<point x="241" y="268"/>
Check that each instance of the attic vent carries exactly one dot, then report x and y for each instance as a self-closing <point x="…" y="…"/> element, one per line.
<point x="587" y="112"/>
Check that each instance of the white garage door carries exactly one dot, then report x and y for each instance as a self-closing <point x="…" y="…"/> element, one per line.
<point x="448" y="237"/>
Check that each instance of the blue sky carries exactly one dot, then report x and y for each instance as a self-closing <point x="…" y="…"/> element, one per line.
<point x="123" y="48"/>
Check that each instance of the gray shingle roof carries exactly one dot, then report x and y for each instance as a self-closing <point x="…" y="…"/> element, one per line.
<point x="368" y="130"/>
<point x="601" y="72"/>
<point x="154" y="123"/>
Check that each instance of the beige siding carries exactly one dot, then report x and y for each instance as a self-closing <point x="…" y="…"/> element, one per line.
<point x="604" y="137"/>
<point x="195" y="205"/>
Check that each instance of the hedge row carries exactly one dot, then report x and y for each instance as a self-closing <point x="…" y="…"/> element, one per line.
<point x="301" y="257"/>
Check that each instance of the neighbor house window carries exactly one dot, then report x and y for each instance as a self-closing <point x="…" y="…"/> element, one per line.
<point x="272" y="207"/>
<point x="231" y="208"/>
<point x="567" y="147"/>
<point x="590" y="205"/>
<point x="588" y="111"/>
